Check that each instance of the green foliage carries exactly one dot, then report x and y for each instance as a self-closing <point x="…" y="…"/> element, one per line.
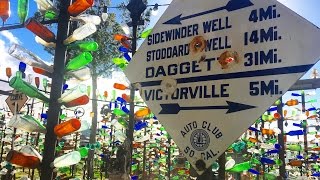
<point x="108" y="48"/>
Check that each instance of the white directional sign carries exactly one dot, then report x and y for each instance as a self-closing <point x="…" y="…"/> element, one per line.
<point x="210" y="68"/>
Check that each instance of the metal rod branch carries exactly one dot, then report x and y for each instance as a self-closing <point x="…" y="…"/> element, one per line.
<point x="18" y="26"/>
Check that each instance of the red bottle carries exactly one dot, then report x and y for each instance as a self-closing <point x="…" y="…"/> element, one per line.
<point x="67" y="127"/>
<point x="79" y="6"/>
<point x="40" y="30"/>
<point x="22" y="159"/>
<point x="82" y="100"/>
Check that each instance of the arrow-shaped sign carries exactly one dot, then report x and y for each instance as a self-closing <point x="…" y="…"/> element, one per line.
<point x="232" y="5"/>
<point x="232" y="107"/>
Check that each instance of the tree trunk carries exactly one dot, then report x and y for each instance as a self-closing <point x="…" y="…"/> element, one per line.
<point x="90" y="163"/>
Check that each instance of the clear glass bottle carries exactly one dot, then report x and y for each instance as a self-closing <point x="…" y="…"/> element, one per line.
<point x="81" y="33"/>
<point x="69" y="159"/>
<point x="44" y="43"/>
<point x="26" y="123"/>
<point x="45" y="5"/>
<point x="87" y="18"/>
<point x="80" y="74"/>
<point x="28" y="57"/>
<point x="73" y="93"/>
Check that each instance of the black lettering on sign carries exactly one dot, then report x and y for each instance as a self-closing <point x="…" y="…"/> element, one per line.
<point x="15" y="97"/>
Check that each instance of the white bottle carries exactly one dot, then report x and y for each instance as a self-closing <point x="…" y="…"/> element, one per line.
<point x="81" y="33"/>
<point x="69" y="159"/>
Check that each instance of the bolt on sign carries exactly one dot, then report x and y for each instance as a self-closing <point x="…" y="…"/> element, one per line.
<point x="16" y="101"/>
<point x="208" y="70"/>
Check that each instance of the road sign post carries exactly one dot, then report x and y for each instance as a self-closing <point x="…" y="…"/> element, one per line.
<point x="16" y="101"/>
<point x="208" y="70"/>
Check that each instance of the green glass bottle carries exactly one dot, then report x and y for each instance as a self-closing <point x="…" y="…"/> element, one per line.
<point x="84" y="46"/>
<point x="294" y="147"/>
<point x="23" y="9"/>
<point x="266" y="117"/>
<point x="145" y="33"/>
<point x="123" y="122"/>
<point x="79" y="61"/>
<point x="119" y="112"/>
<point x="50" y="14"/>
<point x="26" y="88"/>
<point x="240" y="167"/>
<point x="83" y="152"/>
<point x="119" y="61"/>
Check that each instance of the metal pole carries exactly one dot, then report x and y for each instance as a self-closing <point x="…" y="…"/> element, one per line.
<point x="144" y="154"/>
<point x="305" y="139"/>
<point x="57" y="83"/>
<point x="282" y="168"/>
<point x="169" y="158"/>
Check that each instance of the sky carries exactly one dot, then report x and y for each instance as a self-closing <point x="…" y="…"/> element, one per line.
<point x="309" y="9"/>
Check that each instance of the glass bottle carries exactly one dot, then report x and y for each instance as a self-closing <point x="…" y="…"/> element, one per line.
<point x="67" y="127"/>
<point x="28" y="57"/>
<point x="295" y="133"/>
<point x="45" y="5"/>
<point x="83" y="152"/>
<point x="81" y="33"/>
<point x="73" y="94"/>
<point x="267" y="131"/>
<point x="49" y="14"/>
<point x="123" y="122"/>
<point x="294" y="147"/>
<point x="81" y="74"/>
<point x="87" y="18"/>
<point x="4" y="10"/>
<point x="8" y="72"/>
<point x="37" y="81"/>
<point x="238" y="168"/>
<point x="40" y="30"/>
<point x="84" y="46"/>
<point x="118" y="112"/>
<point x="79" y="61"/>
<point x="23" y="8"/>
<point x="82" y="100"/>
<point x="26" y="123"/>
<point x="142" y="112"/>
<point x="125" y="97"/>
<point x="120" y="37"/>
<point x="297" y="163"/>
<point x="44" y="43"/>
<point x="42" y="72"/>
<point x="292" y="102"/>
<point x="67" y="160"/>
<point x="119" y="86"/>
<point x="26" y="88"/>
<point x="266" y="117"/>
<point x="145" y="33"/>
<point x="140" y="125"/>
<point x="79" y="6"/>
<point x="22" y="159"/>
<point x="27" y="149"/>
